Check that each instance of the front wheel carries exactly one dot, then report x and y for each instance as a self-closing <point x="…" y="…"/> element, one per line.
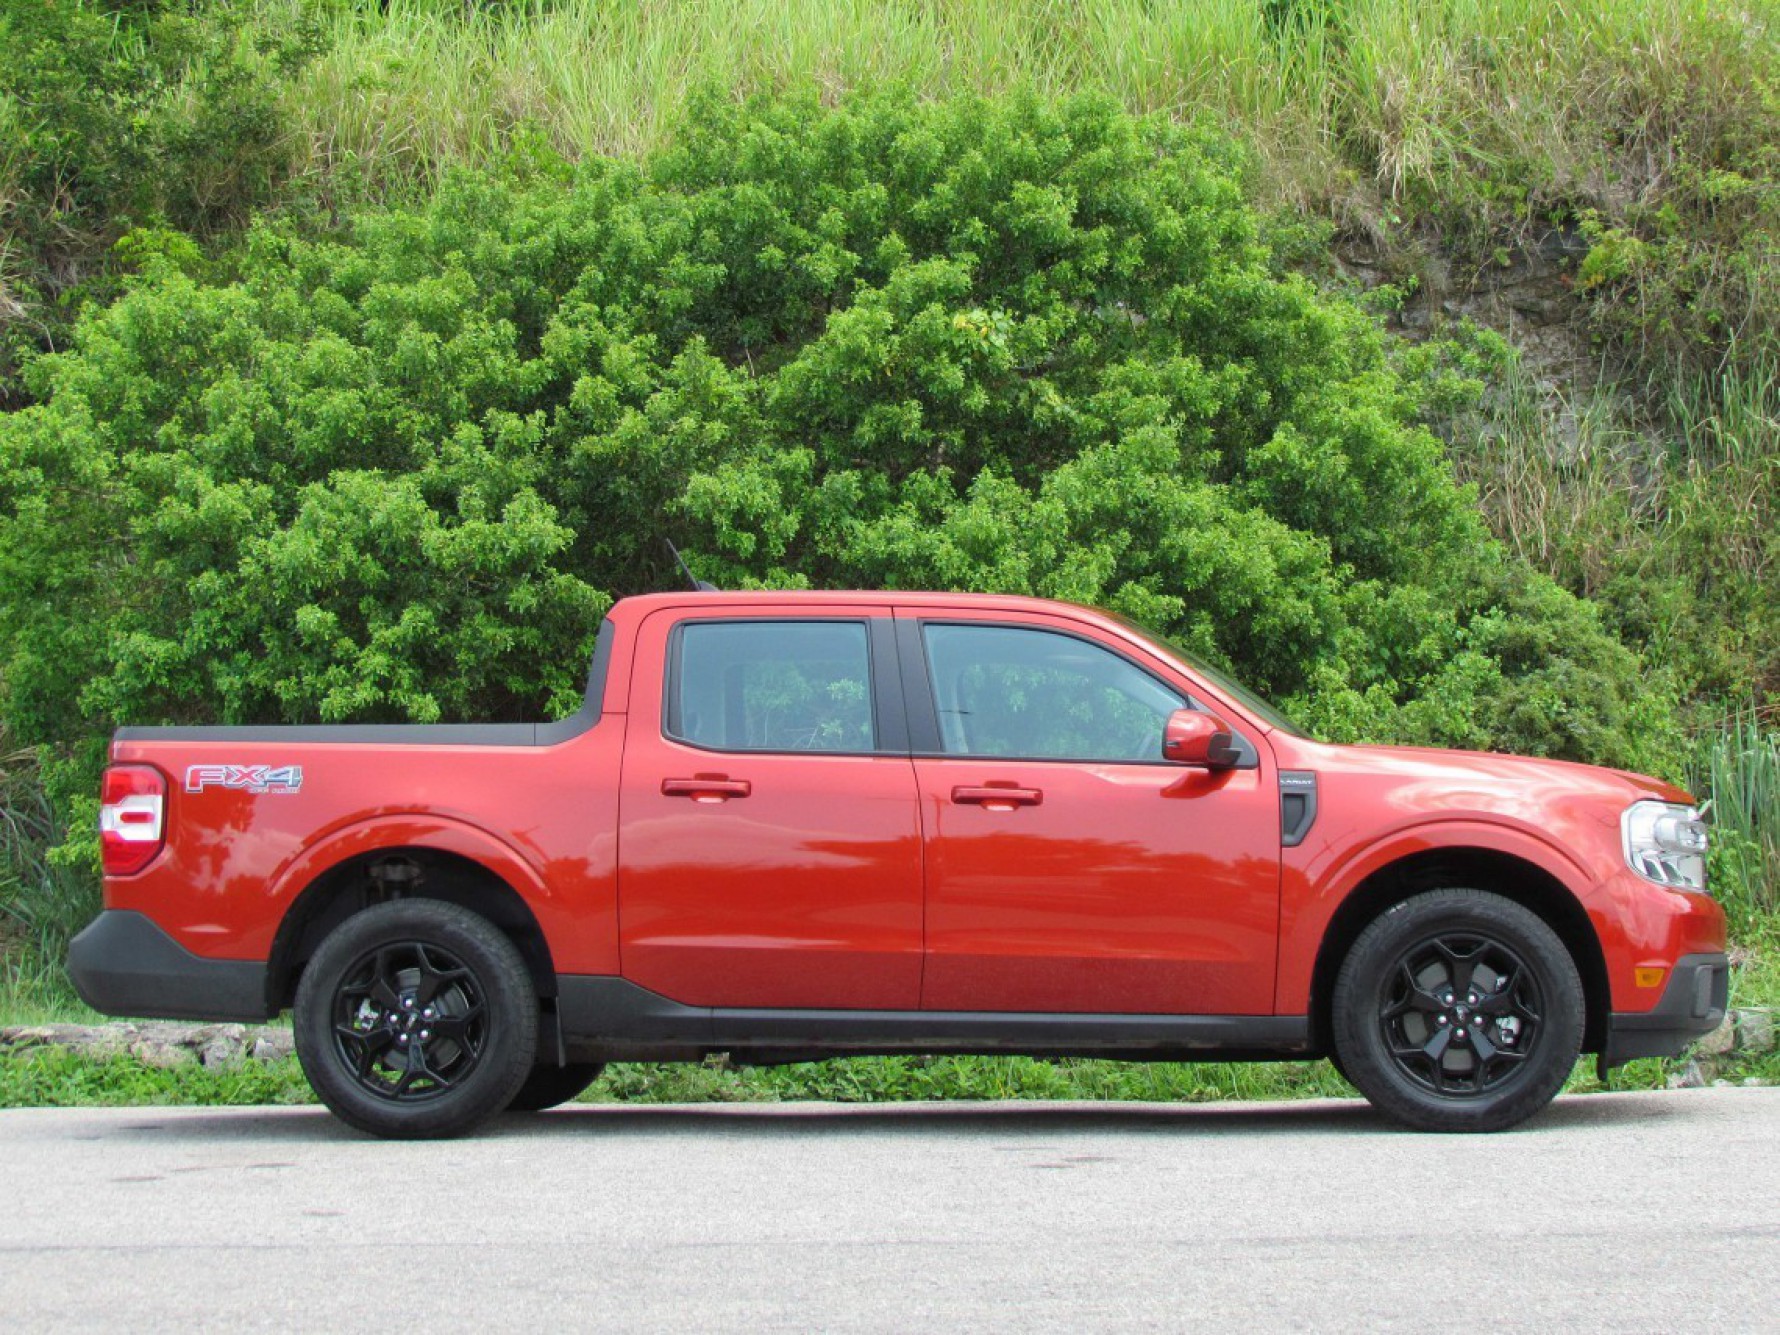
<point x="1458" y="1010"/>
<point x="416" y="1019"/>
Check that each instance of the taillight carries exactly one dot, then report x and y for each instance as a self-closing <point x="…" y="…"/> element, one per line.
<point x="132" y="818"/>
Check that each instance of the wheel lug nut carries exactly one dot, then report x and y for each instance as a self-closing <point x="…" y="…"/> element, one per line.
<point x="426" y="1033"/>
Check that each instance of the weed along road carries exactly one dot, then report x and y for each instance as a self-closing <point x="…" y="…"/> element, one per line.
<point x="1618" y="1211"/>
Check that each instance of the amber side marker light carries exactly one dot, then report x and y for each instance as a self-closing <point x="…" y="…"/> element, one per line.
<point x="1648" y="977"/>
<point x="132" y="818"/>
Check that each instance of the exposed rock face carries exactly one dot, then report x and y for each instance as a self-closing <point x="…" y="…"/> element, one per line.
<point x="1525" y="292"/>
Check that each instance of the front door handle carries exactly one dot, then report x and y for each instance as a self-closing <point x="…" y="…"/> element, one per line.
<point x="996" y="798"/>
<point x="706" y="788"/>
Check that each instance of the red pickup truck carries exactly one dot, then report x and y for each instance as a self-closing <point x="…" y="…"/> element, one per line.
<point x="792" y="826"/>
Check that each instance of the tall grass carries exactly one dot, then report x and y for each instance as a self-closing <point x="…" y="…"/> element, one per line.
<point x="42" y="904"/>
<point x="1741" y="771"/>
<point x="1572" y="93"/>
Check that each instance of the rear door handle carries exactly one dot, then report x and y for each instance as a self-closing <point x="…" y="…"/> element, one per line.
<point x="996" y="799"/>
<point x="706" y="788"/>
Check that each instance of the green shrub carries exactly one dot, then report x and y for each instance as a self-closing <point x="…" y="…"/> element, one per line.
<point x="115" y="115"/>
<point x="985" y="344"/>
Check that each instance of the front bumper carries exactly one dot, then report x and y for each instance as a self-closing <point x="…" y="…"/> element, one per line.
<point x="123" y="964"/>
<point x="1692" y="1005"/>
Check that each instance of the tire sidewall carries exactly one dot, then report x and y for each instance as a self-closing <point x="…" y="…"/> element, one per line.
<point x="509" y="1047"/>
<point x="1366" y="973"/>
<point x="549" y="1085"/>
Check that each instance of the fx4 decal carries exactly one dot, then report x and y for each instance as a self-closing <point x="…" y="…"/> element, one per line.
<point x="245" y="778"/>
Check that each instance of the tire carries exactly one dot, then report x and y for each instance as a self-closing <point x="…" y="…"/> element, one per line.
<point x="415" y="1020"/>
<point x="1482" y="1059"/>
<point x="549" y="1084"/>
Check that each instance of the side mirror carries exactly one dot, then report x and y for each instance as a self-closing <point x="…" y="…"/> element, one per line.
<point x="1194" y="738"/>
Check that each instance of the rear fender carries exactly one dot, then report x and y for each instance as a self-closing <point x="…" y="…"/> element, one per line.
<point x="413" y="831"/>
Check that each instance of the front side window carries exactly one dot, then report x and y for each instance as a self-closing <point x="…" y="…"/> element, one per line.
<point x="1022" y="693"/>
<point x="771" y="686"/>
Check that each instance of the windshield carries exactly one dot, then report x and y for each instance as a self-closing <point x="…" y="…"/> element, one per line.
<point x="1267" y="712"/>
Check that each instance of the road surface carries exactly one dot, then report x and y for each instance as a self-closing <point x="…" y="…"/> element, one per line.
<point x="1625" y="1212"/>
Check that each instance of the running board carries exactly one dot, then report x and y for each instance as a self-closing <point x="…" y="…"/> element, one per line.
<point x="616" y="1018"/>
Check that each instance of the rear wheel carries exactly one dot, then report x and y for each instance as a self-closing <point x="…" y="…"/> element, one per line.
<point x="548" y="1085"/>
<point x="416" y="1019"/>
<point x="1458" y="1010"/>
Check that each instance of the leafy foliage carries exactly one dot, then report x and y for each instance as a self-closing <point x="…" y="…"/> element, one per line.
<point x="987" y="344"/>
<point x="113" y="115"/>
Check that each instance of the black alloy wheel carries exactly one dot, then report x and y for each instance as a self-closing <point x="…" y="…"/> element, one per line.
<point x="416" y="1018"/>
<point x="410" y="1021"/>
<point x="1461" y="1014"/>
<point x="1458" y="1010"/>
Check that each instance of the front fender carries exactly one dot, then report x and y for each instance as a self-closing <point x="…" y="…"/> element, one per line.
<point x="1313" y="892"/>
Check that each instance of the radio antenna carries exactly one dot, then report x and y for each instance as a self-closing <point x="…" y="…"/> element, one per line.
<point x="686" y="570"/>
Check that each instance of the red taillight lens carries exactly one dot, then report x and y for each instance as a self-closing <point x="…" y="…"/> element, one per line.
<point x="132" y="818"/>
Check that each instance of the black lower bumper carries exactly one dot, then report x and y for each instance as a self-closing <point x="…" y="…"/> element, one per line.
<point x="1692" y="1005"/>
<point x="123" y="964"/>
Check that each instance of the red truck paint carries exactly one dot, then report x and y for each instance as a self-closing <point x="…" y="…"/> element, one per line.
<point x="899" y="882"/>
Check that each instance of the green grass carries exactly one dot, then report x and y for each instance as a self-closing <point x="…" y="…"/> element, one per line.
<point x="1741" y="772"/>
<point x="1410" y="95"/>
<point x="55" y="1078"/>
<point x="882" y="1079"/>
<point x="42" y="903"/>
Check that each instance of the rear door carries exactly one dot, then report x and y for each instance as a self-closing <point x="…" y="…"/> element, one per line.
<point x="769" y="850"/>
<point x="1069" y="867"/>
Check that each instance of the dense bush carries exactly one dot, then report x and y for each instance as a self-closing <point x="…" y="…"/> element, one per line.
<point x="113" y="115"/>
<point x="1004" y="345"/>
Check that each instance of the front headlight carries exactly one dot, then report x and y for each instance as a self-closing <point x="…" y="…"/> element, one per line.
<point x="1665" y="843"/>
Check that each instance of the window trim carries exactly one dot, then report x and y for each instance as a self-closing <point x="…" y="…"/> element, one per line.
<point x="926" y="742"/>
<point x="883" y="684"/>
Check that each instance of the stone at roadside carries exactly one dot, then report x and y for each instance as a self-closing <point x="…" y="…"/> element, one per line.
<point x="160" y="1044"/>
<point x="221" y="1044"/>
<point x="1755" y="1029"/>
<point x="1721" y="1040"/>
<point x="155" y="1050"/>
<point x="1688" y="1077"/>
<point x="272" y="1045"/>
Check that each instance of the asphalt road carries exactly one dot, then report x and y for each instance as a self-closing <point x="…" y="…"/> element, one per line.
<point x="1627" y="1212"/>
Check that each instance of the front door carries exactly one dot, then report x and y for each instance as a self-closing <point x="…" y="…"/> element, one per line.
<point x="1069" y="867"/>
<point x="769" y="853"/>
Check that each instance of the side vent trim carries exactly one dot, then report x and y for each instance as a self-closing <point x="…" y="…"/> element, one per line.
<point x="1297" y="805"/>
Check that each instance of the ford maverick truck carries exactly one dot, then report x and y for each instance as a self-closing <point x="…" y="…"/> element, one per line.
<point x="794" y="826"/>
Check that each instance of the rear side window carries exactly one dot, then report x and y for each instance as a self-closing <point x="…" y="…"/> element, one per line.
<point x="1030" y="694"/>
<point x="771" y="686"/>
